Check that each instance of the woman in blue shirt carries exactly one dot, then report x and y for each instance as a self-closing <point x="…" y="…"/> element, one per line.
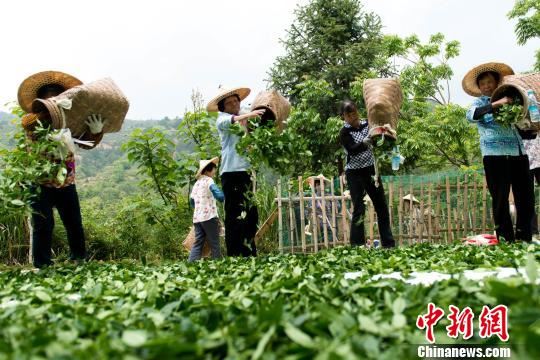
<point x="241" y="214"/>
<point x="506" y="164"/>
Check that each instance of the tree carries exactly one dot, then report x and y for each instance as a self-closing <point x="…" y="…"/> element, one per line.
<point x="330" y="40"/>
<point x="432" y="132"/>
<point x="527" y="13"/>
<point x="167" y="169"/>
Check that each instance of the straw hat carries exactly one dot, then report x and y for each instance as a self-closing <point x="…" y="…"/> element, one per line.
<point x="469" y="81"/>
<point x="242" y="92"/>
<point x="410" y="197"/>
<point x="204" y="163"/>
<point x="30" y="86"/>
<point x="311" y="180"/>
<point x="29" y="121"/>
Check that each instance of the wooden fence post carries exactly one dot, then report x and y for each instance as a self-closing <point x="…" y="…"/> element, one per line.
<point x="280" y="216"/>
<point x="302" y="217"/>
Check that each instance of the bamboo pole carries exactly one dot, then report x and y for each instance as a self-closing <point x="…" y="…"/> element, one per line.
<point x="457" y="214"/>
<point x="291" y="218"/>
<point x="344" y="221"/>
<point x="280" y="216"/>
<point x="421" y="217"/>
<point x="466" y="205"/>
<point x="324" y="215"/>
<point x="302" y="217"/>
<point x="411" y="222"/>
<point x="438" y="209"/>
<point x="475" y="204"/>
<point x="400" y="213"/>
<point x="334" y="226"/>
<point x="314" y="229"/>
<point x="429" y="211"/>
<point x="448" y="211"/>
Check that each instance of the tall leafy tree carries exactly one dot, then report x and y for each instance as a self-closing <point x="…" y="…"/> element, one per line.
<point x="432" y="132"/>
<point x="330" y="40"/>
<point x="527" y="13"/>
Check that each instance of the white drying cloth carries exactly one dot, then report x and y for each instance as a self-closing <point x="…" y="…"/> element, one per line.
<point x="428" y="278"/>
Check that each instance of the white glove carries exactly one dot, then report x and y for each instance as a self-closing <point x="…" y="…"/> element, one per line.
<point x="64" y="143"/>
<point x="95" y="123"/>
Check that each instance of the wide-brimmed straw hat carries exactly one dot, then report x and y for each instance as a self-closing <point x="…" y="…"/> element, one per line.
<point x="30" y="86"/>
<point x="204" y="163"/>
<point x="469" y="81"/>
<point x="311" y="180"/>
<point x="29" y="121"/>
<point x="242" y="93"/>
<point x="410" y="197"/>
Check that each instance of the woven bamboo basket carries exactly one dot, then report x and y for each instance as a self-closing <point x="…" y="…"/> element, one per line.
<point x="383" y="99"/>
<point x="190" y="240"/>
<point x="99" y="97"/>
<point x="276" y="106"/>
<point x="516" y="86"/>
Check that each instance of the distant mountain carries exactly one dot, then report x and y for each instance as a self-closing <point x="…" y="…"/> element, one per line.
<point x="92" y="162"/>
<point x="4" y="116"/>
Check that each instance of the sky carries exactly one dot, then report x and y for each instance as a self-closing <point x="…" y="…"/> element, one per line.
<point x="159" y="51"/>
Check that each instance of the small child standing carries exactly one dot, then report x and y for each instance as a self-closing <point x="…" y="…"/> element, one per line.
<point x="205" y="216"/>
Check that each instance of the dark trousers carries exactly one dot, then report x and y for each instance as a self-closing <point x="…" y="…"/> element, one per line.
<point x="241" y="214"/>
<point x="534" y="224"/>
<point x="360" y="182"/>
<point x="502" y="174"/>
<point x="206" y="231"/>
<point x="66" y="202"/>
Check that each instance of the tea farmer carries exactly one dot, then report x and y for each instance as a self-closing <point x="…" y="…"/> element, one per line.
<point x="323" y="218"/>
<point x="241" y="214"/>
<point x="506" y="164"/>
<point x="205" y="216"/>
<point x="411" y="205"/>
<point x="361" y="178"/>
<point x="56" y="191"/>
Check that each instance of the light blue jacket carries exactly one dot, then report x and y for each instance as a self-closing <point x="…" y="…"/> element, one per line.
<point x="495" y="139"/>
<point x="230" y="159"/>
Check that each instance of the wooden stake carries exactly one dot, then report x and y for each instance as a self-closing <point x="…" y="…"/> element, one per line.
<point x="400" y="213"/>
<point x="448" y="211"/>
<point x="291" y="217"/>
<point x="302" y="217"/>
<point x="334" y="227"/>
<point x="344" y="217"/>
<point x="280" y="216"/>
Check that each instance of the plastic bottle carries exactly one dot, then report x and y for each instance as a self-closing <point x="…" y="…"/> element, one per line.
<point x="534" y="113"/>
<point x="396" y="158"/>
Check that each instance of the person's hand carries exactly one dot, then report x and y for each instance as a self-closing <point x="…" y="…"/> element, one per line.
<point x="243" y="122"/>
<point x="95" y="123"/>
<point x="503" y="101"/>
<point x="367" y="142"/>
<point x="256" y="113"/>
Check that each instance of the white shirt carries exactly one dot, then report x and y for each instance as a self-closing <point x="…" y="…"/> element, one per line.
<point x="205" y="204"/>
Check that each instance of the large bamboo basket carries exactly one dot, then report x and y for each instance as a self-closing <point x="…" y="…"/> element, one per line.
<point x="98" y="97"/>
<point x="277" y="107"/>
<point x="383" y="99"/>
<point x="517" y="86"/>
<point x="190" y="240"/>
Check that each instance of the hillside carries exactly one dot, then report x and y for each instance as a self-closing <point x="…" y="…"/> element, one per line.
<point x="105" y="164"/>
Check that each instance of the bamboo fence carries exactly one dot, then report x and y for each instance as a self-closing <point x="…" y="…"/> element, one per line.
<point x="447" y="209"/>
